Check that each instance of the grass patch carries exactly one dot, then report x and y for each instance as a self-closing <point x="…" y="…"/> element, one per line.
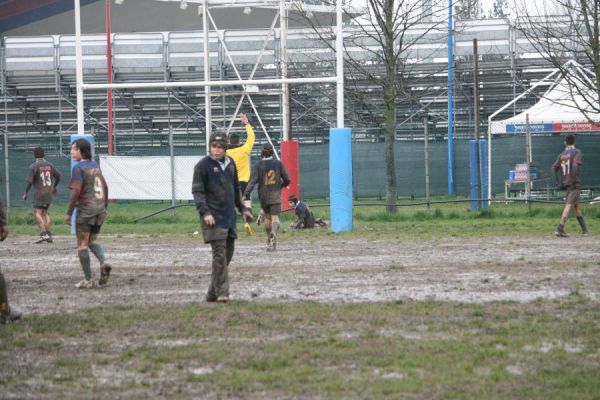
<point x="438" y="220"/>
<point x="540" y="350"/>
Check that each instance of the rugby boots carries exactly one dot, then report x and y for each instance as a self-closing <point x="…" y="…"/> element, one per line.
<point x="12" y="315"/>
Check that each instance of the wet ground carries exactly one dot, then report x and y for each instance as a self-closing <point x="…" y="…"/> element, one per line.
<point x="327" y="268"/>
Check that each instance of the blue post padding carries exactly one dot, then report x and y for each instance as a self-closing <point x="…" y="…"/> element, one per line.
<point x="340" y="179"/>
<point x="90" y="139"/>
<point x="473" y="174"/>
<point x="484" y="172"/>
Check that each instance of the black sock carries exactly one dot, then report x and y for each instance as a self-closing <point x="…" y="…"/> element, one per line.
<point x="560" y="227"/>
<point x="582" y="224"/>
<point x="4" y="308"/>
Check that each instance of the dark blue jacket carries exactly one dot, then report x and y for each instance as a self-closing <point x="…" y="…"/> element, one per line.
<point x="216" y="191"/>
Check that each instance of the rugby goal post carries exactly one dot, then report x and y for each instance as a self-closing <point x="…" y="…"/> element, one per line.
<point x="340" y="179"/>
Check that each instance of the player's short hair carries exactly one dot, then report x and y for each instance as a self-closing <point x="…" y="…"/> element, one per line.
<point x="570" y="140"/>
<point x="217" y="137"/>
<point x="267" y="151"/>
<point x="293" y="198"/>
<point x="84" y="147"/>
<point x="38" y="152"/>
<point x="234" y="138"/>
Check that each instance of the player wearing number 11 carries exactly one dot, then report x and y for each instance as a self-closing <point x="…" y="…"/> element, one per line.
<point x="89" y="193"/>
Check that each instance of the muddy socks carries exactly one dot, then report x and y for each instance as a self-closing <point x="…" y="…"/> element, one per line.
<point x="582" y="224"/>
<point x="4" y="308"/>
<point x="275" y="228"/>
<point x="560" y="228"/>
<point x="84" y="258"/>
<point x="98" y="251"/>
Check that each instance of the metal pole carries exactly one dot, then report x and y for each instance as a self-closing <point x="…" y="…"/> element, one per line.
<point x="527" y="156"/>
<point x="79" y="70"/>
<point x="426" y="145"/>
<point x="450" y="100"/>
<point x="109" y="99"/>
<point x="206" y="72"/>
<point x="476" y="113"/>
<point x="6" y="151"/>
<point x="511" y="48"/>
<point x="171" y="151"/>
<point x="60" y="127"/>
<point x="285" y="94"/>
<point x="4" y="90"/>
<point x="339" y="53"/>
<point x="192" y="84"/>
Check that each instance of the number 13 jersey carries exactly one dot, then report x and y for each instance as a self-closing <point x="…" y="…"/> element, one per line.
<point x="43" y="176"/>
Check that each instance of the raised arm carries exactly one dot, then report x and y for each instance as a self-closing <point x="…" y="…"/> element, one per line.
<point x="250" y="136"/>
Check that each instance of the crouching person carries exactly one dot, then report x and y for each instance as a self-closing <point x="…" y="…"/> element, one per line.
<point x="305" y="219"/>
<point x="216" y="191"/>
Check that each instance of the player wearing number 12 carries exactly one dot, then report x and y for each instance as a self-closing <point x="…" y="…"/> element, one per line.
<point x="89" y="193"/>
<point x="44" y="178"/>
<point x="271" y="176"/>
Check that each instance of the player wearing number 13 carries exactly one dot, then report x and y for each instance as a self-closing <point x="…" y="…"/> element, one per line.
<point x="89" y="193"/>
<point x="44" y="178"/>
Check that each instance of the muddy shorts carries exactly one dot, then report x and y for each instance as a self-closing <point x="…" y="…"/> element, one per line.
<point x="272" y="209"/>
<point x="573" y="196"/>
<point x="41" y="206"/>
<point x="90" y="224"/>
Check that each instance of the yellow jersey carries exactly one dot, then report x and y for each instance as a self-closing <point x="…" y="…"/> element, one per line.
<point x="241" y="155"/>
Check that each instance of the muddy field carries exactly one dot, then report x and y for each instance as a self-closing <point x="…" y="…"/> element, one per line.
<point x="150" y="270"/>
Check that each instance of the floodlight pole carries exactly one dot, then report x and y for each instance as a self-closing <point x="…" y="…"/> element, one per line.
<point x="78" y="70"/>
<point x="207" y="104"/>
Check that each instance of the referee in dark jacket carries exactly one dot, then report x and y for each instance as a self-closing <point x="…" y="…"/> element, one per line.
<point x="216" y="191"/>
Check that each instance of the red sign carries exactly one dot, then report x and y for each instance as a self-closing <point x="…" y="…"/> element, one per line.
<point x="574" y="127"/>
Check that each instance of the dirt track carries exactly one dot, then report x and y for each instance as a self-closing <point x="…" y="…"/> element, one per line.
<point x="325" y="269"/>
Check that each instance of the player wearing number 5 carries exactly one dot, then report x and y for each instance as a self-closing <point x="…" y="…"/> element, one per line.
<point x="271" y="176"/>
<point x="44" y="178"/>
<point x="89" y="193"/>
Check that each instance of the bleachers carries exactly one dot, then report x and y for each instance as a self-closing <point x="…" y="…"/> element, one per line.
<point x="38" y="75"/>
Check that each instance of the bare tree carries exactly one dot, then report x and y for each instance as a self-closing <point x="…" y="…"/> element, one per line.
<point x="564" y="30"/>
<point x="380" y="51"/>
<point x="468" y="9"/>
<point x="499" y="9"/>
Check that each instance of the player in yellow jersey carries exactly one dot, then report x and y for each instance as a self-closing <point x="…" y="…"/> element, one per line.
<point x="240" y="153"/>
